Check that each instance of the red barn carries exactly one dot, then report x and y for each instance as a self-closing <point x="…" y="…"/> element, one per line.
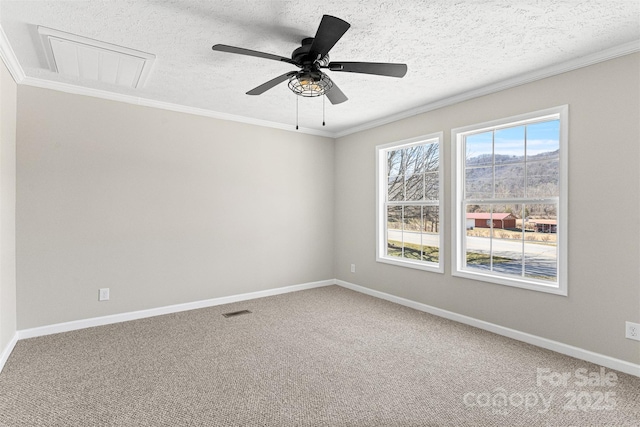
<point x="500" y="219"/>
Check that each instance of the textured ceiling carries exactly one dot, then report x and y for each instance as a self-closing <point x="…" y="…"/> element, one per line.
<point x="450" y="47"/>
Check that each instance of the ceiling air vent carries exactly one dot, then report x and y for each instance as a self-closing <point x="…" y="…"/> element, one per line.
<point x="85" y="58"/>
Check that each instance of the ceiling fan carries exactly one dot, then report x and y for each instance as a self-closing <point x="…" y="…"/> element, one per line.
<point x="313" y="57"/>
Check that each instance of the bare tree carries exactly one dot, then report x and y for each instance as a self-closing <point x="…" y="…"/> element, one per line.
<point x="412" y="173"/>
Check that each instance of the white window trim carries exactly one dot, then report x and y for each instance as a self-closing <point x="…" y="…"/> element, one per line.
<point x="381" y="194"/>
<point x="458" y="218"/>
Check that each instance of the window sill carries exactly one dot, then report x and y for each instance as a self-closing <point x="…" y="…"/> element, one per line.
<point x="432" y="267"/>
<point x="513" y="282"/>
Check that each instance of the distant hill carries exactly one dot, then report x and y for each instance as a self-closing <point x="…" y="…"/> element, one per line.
<point x="542" y="177"/>
<point x="485" y="159"/>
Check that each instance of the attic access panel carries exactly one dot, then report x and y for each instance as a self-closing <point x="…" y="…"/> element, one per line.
<point x="89" y="59"/>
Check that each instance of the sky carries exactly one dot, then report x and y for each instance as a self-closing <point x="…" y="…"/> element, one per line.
<point x="540" y="138"/>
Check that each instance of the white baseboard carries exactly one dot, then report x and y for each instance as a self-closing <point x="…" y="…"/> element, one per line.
<point x="124" y="317"/>
<point x="6" y="352"/>
<point x="579" y="353"/>
<point x="569" y="350"/>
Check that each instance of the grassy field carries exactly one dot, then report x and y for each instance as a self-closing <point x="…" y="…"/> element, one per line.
<point x="431" y="253"/>
<point x="413" y="251"/>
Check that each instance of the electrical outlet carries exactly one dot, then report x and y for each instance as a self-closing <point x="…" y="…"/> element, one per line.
<point x="632" y="331"/>
<point x="353" y="268"/>
<point x="103" y="294"/>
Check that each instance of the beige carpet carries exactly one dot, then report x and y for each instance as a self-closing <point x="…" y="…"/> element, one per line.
<point x="323" y="357"/>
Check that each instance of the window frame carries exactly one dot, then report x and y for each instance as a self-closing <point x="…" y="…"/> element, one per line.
<point x="458" y="216"/>
<point x="381" y="203"/>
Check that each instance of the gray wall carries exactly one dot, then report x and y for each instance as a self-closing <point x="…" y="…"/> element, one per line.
<point x="604" y="218"/>
<point x="8" y="103"/>
<point x="161" y="207"/>
<point x="165" y="208"/>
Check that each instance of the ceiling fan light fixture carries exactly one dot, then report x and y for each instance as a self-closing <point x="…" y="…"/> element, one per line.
<point x="311" y="58"/>
<point x="307" y="84"/>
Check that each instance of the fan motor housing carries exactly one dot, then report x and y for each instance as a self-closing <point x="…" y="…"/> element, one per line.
<point x="301" y="54"/>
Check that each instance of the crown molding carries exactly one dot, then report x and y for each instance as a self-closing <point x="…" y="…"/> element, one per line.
<point x="9" y="58"/>
<point x="542" y="73"/>
<point x="129" y="99"/>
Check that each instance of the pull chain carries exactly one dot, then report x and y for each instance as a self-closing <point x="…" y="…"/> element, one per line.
<point x="298" y="111"/>
<point x="323" y="109"/>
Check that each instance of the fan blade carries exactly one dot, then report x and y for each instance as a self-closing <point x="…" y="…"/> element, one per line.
<point x="271" y="83"/>
<point x="331" y="29"/>
<point x="378" y="68"/>
<point x="335" y="95"/>
<point x="249" y="52"/>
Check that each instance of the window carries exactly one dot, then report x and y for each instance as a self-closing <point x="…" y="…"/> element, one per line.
<point x="409" y="228"/>
<point x="510" y="210"/>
